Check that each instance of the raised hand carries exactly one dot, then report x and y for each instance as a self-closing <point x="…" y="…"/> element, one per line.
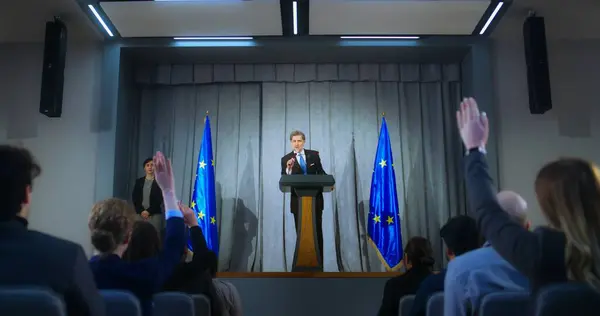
<point x="472" y="125"/>
<point x="163" y="173"/>
<point x="189" y="216"/>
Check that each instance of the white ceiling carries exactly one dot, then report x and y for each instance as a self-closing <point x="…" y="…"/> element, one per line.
<point x="448" y="17"/>
<point x="195" y="18"/>
<point x="25" y="20"/>
<point x="173" y="18"/>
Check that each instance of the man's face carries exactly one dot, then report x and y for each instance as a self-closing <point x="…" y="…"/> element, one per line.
<point x="149" y="167"/>
<point x="297" y="143"/>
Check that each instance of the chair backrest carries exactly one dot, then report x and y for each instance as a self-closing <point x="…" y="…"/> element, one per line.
<point x="121" y="303"/>
<point x="406" y="303"/>
<point x="201" y="305"/>
<point x="24" y="301"/>
<point x="567" y="299"/>
<point x="173" y="303"/>
<point x="435" y="305"/>
<point x="505" y="303"/>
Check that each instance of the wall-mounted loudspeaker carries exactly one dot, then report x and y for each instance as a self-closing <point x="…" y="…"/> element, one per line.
<point x="55" y="51"/>
<point x="536" y="57"/>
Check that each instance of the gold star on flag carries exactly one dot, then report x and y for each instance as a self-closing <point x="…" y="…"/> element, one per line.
<point x="383" y="163"/>
<point x="212" y="162"/>
<point x="201" y="214"/>
<point x="193" y="204"/>
<point x="202" y="164"/>
<point x="390" y="220"/>
<point x="213" y="220"/>
<point x="377" y="219"/>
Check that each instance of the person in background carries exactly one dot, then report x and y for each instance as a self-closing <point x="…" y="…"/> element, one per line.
<point x="110" y="224"/>
<point x="31" y="258"/>
<point x="568" y="192"/>
<point x="227" y="293"/>
<point x="194" y="277"/>
<point x="147" y="197"/>
<point x="418" y="262"/>
<point x="460" y="236"/>
<point x="143" y="243"/>
<point x="483" y="271"/>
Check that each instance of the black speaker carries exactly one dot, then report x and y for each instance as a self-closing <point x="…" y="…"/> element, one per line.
<point x="53" y="73"/>
<point x="538" y="73"/>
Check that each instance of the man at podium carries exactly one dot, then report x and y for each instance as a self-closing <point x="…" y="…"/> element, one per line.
<point x="304" y="161"/>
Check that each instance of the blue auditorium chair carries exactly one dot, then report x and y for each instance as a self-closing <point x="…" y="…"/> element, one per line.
<point x="406" y="303"/>
<point x="435" y="305"/>
<point x="34" y="301"/>
<point x="505" y="303"/>
<point x="173" y="303"/>
<point x="121" y="303"/>
<point x="201" y="305"/>
<point x="567" y="299"/>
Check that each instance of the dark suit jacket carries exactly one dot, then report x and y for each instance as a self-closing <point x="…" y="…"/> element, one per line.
<point x="145" y="277"/>
<point x="189" y="277"/>
<point x="400" y="286"/>
<point x="313" y="166"/>
<point x="539" y="255"/>
<point x="156" y="199"/>
<point x="431" y="285"/>
<point x="31" y="258"/>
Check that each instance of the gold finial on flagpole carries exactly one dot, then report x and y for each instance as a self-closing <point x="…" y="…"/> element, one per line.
<point x="383" y="114"/>
<point x="205" y="117"/>
<point x="206" y="113"/>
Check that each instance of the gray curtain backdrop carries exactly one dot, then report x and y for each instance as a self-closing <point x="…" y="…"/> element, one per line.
<point x="253" y="108"/>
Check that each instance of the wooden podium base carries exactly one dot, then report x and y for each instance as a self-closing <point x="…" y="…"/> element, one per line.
<point x="307" y="257"/>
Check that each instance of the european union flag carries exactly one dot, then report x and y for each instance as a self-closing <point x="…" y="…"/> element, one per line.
<point x="204" y="201"/>
<point x="384" y="214"/>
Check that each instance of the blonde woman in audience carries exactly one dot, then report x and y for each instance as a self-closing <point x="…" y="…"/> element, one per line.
<point x="111" y="223"/>
<point x="568" y="192"/>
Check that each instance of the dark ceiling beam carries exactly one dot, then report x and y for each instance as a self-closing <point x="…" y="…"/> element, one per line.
<point x="486" y="15"/>
<point x="287" y="17"/>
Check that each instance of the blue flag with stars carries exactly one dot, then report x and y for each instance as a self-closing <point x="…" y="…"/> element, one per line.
<point x="384" y="214"/>
<point x="204" y="200"/>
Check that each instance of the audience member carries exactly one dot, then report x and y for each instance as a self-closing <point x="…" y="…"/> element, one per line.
<point x="143" y="243"/>
<point x="147" y="197"/>
<point x="460" y="236"/>
<point x="483" y="271"/>
<point x="31" y="258"/>
<point x="226" y="292"/>
<point x="194" y="277"/>
<point x="568" y="193"/>
<point x="418" y="262"/>
<point x="111" y="222"/>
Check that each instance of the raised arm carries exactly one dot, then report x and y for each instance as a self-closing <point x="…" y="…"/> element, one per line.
<point x="513" y="242"/>
<point x="174" y="242"/>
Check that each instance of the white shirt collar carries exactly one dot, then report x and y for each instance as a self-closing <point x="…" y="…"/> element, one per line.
<point x="300" y="152"/>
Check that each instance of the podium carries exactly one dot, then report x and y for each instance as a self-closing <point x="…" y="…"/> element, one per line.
<point x="307" y="255"/>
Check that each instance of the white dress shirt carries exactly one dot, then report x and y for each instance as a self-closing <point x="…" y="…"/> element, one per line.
<point x="300" y="153"/>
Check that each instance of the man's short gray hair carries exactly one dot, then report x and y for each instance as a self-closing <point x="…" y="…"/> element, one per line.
<point x="513" y="204"/>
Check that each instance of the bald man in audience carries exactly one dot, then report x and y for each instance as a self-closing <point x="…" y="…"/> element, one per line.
<point x="483" y="271"/>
